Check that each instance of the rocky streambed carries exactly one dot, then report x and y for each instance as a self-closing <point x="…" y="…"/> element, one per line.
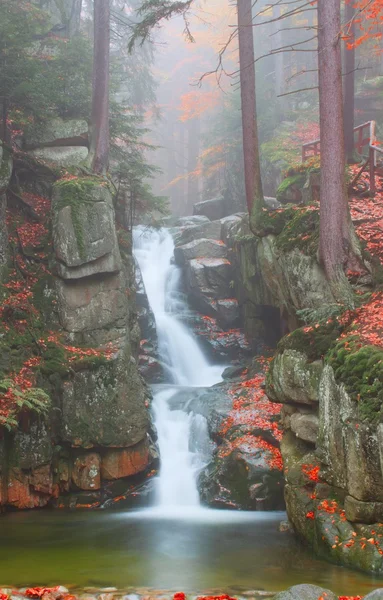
<point x="298" y="592"/>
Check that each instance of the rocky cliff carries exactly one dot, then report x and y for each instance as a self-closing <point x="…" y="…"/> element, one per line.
<point x="327" y="374"/>
<point x="74" y="421"/>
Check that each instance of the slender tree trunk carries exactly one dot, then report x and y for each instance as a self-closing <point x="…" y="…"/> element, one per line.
<point x="278" y="58"/>
<point x="349" y="85"/>
<point x="253" y="182"/>
<point x="193" y="153"/>
<point x="172" y="166"/>
<point x="99" y="148"/>
<point x="182" y="170"/>
<point x="338" y="245"/>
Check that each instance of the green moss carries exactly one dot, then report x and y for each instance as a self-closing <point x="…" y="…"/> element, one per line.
<point x="274" y="221"/>
<point x="297" y="180"/>
<point x="315" y="341"/>
<point x="75" y="193"/>
<point x="301" y="231"/>
<point x="360" y="369"/>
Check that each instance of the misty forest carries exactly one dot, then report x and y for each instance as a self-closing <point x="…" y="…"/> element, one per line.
<point x="191" y="299"/>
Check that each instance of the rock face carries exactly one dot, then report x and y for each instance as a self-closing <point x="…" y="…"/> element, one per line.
<point x="333" y="463"/>
<point x="97" y="431"/>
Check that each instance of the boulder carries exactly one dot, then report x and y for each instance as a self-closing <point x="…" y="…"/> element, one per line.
<point x="306" y="591"/>
<point x="305" y="426"/>
<point x="209" y="276"/>
<point x="213" y="209"/>
<point x="125" y="462"/>
<point x="293" y="378"/>
<point x="84" y="234"/>
<point x="375" y="595"/>
<point x="92" y="303"/>
<point x="241" y="477"/>
<point x="200" y="248"/>
<point x="57" y="132"/>
<point x="60" y="156"/>
<point x="210" y="230"/>
<point x="86" y="471"/>
<point x="106" y="406"/>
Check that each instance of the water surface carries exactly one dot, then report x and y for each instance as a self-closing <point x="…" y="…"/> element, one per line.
<point x="229" y="551"/>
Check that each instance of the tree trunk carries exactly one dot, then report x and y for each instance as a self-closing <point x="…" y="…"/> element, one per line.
<point x="253" y="182"/>
<point x="99" y="148"/>
<point x="193" y="153"/>
<point x="349" y="85"/>
<point x="338" y="245"/>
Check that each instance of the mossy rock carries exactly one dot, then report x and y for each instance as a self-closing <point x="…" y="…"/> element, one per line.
<point x="290" y="188"/>
<point x="360" y="369"/>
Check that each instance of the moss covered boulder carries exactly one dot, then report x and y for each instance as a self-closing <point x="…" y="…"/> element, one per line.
<point x="84" y="233"/>
<point x="105" y="407"/>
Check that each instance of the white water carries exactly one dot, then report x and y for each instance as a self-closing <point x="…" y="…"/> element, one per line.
<point x="182" y="437"/>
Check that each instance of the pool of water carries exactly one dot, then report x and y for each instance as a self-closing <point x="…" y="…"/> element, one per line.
<point x="192" y="551"/>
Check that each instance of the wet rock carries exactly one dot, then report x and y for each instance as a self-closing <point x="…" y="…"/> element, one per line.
<point x="233" y="372"/>
<point x="126" y="461"/>
<point x="57" y="132"/>
<point x="86" y="471"/>
<point x="241" y="478"/>
<point x="375" y="595"/>
<point x="20" y="492"/>
<point x="145" y="314"/>
<point x="213" y="209"/>
<point x="205" y="248"/>
<point x="63" y="156"/>
<point x="150" y="368"/>
<point x="306" y="592"/>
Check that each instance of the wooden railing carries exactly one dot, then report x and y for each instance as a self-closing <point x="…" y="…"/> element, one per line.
<point x="365" y="136"/>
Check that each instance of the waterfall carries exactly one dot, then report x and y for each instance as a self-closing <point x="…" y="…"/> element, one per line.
<point x="181" y="436"/>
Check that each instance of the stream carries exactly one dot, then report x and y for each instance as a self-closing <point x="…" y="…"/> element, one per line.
<point x="177" y="544"/>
